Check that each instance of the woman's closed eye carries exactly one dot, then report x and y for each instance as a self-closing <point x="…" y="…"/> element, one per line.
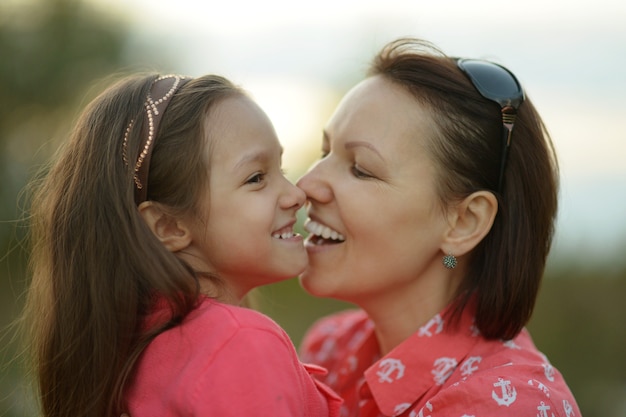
<point x="359" y="172"/>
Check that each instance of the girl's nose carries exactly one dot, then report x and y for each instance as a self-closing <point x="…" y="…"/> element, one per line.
<point x="294" y="197"/>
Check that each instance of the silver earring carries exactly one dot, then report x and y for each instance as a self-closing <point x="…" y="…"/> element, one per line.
<point x="449" y="261"/>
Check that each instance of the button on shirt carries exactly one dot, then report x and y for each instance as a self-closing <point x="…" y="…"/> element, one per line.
<point x="226" y="361"/>
<point x="440" y="371"/>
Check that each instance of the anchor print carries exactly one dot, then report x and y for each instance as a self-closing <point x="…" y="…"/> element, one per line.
<point x="549" y="371"/>
<point x="437" y="322"/>
<point x="569" y="410"/>
<point x="468" y="367"/>
<point x="389" y="366"/>
<point x="428" y="407"/>
<point x="543" y="410"/>
<point x="444" y="367"/>
<point x="539" y="386"/>
<point x="509" y="394"/>
<point x="401" y="408"/>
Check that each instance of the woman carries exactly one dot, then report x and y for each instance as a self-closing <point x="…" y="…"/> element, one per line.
<point x="433" y="210"/>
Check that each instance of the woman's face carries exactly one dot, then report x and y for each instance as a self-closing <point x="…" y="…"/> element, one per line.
<point x="375" y="222"/>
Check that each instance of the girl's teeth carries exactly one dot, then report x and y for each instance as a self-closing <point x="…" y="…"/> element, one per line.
<point x="285" y="235"/>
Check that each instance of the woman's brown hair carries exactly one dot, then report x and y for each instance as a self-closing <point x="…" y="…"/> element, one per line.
<point x="96" y="266"/>
<point x="505" y="270"/>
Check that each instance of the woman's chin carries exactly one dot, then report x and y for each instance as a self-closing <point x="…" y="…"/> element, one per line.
<point x="307" y="283"/>
<point x="314" y="286"/>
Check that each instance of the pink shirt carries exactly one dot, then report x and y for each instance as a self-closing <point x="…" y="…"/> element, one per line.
<point x="226" y="361"/>
<point x="440" y="371"/>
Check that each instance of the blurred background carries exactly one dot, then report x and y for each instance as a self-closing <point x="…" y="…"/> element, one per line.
<point x="297" y="59"/>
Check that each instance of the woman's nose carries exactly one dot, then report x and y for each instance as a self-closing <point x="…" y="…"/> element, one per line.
<point x="315" y="184"/>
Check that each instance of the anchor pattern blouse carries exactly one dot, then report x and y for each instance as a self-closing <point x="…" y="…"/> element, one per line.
<point x="440" y="371"/>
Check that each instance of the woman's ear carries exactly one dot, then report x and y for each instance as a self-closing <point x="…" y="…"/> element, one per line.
<point x="172" y="232"/>
<point x="470" y="221"/>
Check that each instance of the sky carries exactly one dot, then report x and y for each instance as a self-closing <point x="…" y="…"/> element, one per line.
<point x="297" y="59"/>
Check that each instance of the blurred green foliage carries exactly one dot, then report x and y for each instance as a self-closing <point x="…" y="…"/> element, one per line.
<point x="51" y="51"/>
<point x="580" y="324"/>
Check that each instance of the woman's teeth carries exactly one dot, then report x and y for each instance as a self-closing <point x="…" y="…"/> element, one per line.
<point x="325" y="232"/>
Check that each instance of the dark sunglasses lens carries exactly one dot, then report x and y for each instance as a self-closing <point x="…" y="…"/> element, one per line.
<point x="493" y="81"/>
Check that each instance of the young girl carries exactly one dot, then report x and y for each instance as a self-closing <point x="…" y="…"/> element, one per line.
<point x="165" y="207"/>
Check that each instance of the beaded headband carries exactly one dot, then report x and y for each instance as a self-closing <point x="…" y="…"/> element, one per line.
<point x="163" y="88"/>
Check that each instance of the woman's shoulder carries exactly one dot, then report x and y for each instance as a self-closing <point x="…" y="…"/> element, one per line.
<point x="335" y="329"/>
<point x="340" y="322"/>
<point x="511" y="376"/>
<point x="504" y="392"/>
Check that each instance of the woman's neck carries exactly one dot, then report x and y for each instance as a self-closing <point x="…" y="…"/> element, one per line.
<point x="398" y="315"/>
<point x="396" y="324"/>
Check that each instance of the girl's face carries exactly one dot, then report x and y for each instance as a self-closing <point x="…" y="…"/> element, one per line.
<point x="374" y="193"/>
<point x="246" y="233"/>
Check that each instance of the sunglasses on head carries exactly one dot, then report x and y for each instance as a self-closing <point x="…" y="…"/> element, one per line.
<point x="498" y="84"/>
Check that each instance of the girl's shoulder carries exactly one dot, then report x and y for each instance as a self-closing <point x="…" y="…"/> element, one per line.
<point x="227" y="317"/>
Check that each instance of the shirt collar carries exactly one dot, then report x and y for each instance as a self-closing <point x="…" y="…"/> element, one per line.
<point x="423" y="361"/>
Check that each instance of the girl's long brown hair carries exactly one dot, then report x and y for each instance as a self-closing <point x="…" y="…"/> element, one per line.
<point x="95" y="264"/>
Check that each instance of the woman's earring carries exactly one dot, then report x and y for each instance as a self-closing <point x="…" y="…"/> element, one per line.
<point x="449" y="261"/>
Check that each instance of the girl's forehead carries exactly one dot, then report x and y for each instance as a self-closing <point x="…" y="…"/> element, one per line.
<point x="238" y="129"/>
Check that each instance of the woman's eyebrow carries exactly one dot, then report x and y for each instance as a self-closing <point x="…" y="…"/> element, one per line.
<point x="359" y="143"/>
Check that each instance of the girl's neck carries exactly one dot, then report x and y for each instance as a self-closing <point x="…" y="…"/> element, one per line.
<point x="220" y="291"/>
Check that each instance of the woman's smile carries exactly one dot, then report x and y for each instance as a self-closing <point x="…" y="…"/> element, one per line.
<point x="321" y="234"/>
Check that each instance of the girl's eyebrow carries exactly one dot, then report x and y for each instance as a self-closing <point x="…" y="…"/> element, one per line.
<point x="251" y="157"/>
<point x="255" y="156"/>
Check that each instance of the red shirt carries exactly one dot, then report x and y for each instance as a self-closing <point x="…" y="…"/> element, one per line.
<point x="226" y="361"/>
<point x="440" y="371"/>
